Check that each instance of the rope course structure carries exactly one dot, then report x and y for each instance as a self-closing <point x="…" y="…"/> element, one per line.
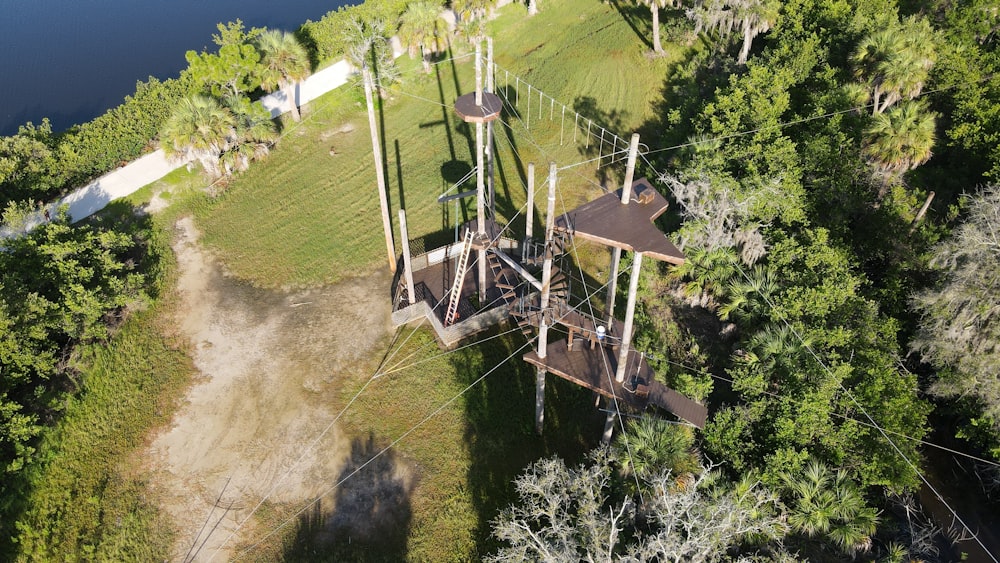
<point x="610" y="149"/>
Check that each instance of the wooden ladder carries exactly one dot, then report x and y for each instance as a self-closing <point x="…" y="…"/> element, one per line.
<point x="456" y="286"/>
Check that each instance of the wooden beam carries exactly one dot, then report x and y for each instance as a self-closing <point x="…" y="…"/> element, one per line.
<point x="407" y="266"/>
<point x="633" y="286"/>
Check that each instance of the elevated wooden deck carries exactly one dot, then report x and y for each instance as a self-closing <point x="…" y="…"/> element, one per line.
<point x="608" y="221"/>
<point x="595" y="367"/>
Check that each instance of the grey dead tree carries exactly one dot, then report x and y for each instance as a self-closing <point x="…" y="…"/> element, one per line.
<point x="959" y="330"/>
<point x="569" y="514"/>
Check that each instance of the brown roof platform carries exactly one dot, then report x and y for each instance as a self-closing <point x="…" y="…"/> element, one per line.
<point x="608" y="221"/>
<point x="594" y="367"/>
<point x="466" y="108"/>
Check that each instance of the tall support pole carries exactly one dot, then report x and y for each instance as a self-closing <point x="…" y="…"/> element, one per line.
<point x="529" y="227"/>
<point x="490" y="86"/>
<point x="379" y="173"/>
<point x="543" y="325"/>
<point x="609" y="422"/>
<point x="480" y="185"/>
<point x="633" y="152"/>
<point x="633" y="286"/>
<point x="408" y="267"/>
<point x="616" y="254"/>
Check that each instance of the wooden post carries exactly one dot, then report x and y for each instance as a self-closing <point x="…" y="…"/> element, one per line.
<point x="490" y="179"/>
<point x="530" y="217"/>
<point x="480" y="185"/>
<point x="379" y="173"/>
<point x="629" y="316"/>
<point x="616" y="254"/>
<point x="543" y="326"/>
<point x="539" y="399"/>
<point x="633" y="152"/>
<point x="408" y="268"/>
<point x="609" y="422"/>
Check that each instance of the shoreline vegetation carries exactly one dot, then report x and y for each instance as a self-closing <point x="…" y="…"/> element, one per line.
<point x="793" y="317"/>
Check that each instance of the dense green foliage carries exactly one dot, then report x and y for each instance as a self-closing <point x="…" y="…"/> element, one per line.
<point x="325" y="38"/>
<point x="59" y="286"/>
<point x="37" y="163"/>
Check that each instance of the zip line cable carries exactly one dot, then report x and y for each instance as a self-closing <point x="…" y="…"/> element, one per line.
<point x="695" y="370"/>
<point x="604" y="357"/>
<point x="864" y="411"/>
<point x="379" y="373"/>
<point x="396" y="441"/>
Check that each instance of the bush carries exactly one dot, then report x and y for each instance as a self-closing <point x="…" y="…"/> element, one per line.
<point x="325" y="38"/>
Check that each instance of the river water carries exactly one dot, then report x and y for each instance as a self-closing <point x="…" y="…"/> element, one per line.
<point x="71" y="60"/>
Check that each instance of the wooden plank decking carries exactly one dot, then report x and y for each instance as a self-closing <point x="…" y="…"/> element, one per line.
<point x="594" y="368"/>
<point x="608" y="221"/>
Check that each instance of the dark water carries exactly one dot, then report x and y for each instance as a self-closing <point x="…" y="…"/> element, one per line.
<point x="71" y="60"/>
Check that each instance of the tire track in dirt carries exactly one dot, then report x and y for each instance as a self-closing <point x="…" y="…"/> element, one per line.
<point x="269" y="361"/>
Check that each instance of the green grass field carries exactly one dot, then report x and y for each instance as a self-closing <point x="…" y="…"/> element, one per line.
<point x="309" y="216"/>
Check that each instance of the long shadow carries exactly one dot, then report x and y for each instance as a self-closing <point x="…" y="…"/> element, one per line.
<point x="399" y="175"/>
<point x="638" y="18"/>
<point x="500" y="424"/>
<point x="463" y="128"/>
<point x="370" y="518"/>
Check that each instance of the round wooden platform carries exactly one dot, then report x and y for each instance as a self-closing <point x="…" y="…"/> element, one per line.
<point x="466" y="108"/>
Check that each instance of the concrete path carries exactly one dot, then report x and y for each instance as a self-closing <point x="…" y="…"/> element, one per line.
<point x="128" y="179"/>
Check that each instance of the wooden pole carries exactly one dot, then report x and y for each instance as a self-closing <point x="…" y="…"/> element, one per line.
<point x="530" y="225"/>
<point x="408" y="267"/>
<point x="609" y="422"/>
<point x="489" y="130"/>
<point x="633" y="152"/>
<point x="379" y="173"/>
<point x="543" y="326"/>
<point x="480" y="179"/>
<point x="616" y="254"/>
<point x="633" y="286"/>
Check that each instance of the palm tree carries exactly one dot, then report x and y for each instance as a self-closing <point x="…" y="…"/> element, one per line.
<point x="823" y="503"/>
<point x="418" y="30"/>
<point x="284" y="63"/>
<point x="199" y="128"/>
<point x="706" y="274"/>
<point x="895" y="62"/>
<point x="253" y="135"/>
<point x="754" y="17"/>
<point x="472" y="16"/>
<point x="751" y="17"/>
<point x="898" y="141"/>
<point x="653" y="445"/>
<point x="748" y="298"/>
<point x="654" y="8"/>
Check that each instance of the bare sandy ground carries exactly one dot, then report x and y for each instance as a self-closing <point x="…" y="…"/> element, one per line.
<point x="269" y="364"/>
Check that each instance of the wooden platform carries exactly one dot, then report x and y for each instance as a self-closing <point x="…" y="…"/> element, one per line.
<point x="466" y="108"/>
<point x="594" y="368"/>
<point x="608" y="221"/>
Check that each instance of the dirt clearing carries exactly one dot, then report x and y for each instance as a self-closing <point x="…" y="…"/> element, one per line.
<point x="270" y="364"/>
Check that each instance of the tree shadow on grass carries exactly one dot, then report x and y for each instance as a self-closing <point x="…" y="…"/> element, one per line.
<point x="638" y="18"/>
<point x="370" y="520"/>
<point x="500" y="431"/>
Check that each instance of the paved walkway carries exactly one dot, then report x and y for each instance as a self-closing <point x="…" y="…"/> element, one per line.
<point x="93" y="197"/>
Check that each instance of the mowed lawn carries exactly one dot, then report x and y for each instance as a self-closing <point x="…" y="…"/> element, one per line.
<point x="310" y="214"/>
